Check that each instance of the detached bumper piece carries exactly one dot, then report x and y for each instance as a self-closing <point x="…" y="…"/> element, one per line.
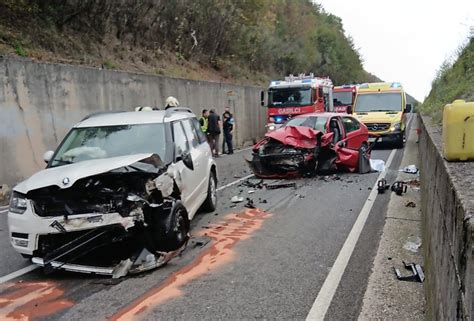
<point x="417" y="273"/>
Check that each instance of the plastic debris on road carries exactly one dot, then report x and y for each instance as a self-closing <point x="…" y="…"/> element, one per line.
<point x="237" y="199"/>
<point x="377" y="165"/>
<point x="410" y="169"/>
<point x="413" y="244"/>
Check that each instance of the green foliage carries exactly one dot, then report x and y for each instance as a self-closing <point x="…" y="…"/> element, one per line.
<point x="109" y="65"/>
<point x="19" y="50"/>
<point x="272" y="37"/>
<point x="453" y="81"/>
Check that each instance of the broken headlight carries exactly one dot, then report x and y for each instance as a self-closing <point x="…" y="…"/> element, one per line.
<point x="18" y="203"/>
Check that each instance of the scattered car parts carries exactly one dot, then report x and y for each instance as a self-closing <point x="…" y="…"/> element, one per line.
<point x="280" y="185"/>
<point x="417" y="273"/>
<point x="382" y="186"/>
<point x="399" y="187"/>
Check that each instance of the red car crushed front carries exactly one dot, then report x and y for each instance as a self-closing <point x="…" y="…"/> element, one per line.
<point x="293" y="151"/>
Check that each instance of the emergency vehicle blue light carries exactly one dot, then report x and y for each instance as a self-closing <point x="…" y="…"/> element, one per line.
<point x="278" y="119"/>
<point x="306" y="81"/>
<point x="396" y="85"/>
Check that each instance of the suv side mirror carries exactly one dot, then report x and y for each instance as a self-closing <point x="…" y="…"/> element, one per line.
<point x="187" y="160"/>
<point x="47" y="156"/>
<point x="408" y="108"/>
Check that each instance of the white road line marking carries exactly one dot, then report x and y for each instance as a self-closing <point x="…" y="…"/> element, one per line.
<point x="18" y="273"/>
<point x="327" y="291"/>
<point x="234" y="182"/>
<point x="243" y="149"/>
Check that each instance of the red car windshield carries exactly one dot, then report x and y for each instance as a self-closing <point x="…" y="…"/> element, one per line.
<point x="314" y="122"/>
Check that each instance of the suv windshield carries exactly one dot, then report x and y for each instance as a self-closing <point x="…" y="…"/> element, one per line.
<point x="316" y="123"/>
<point x="110" y="141"/>
<point x="379" y="102"/>
<point x="342" y="98"/>
<point x="278" y="97"/>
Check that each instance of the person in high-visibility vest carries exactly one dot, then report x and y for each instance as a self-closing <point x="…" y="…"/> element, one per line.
<point x="204" y="121"/>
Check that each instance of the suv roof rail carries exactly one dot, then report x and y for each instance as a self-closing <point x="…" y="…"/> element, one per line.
<point x="172" y="110"/>
<point x="101" y="113"/>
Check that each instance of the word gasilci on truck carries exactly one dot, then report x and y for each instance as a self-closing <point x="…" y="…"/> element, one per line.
<point x="296" y="95"/>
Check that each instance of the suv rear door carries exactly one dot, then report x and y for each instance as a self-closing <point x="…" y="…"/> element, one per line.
<point x="190" y="179"/>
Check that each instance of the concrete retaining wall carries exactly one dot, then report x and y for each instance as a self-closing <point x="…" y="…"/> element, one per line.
<point x="447" y="208"/>
<point x="40" y="102"/>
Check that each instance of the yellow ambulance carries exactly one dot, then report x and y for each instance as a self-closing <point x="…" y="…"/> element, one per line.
<point x="382" y="108"/>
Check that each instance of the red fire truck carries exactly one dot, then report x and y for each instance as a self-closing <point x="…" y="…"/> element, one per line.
<point x="344" y="97"/>
<point x="297" y="95"/>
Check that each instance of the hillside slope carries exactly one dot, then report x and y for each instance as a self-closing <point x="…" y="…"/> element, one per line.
<point x="248" y="41"/>
<point x="454" y="81"/>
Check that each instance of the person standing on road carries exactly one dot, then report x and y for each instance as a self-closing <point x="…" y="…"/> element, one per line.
<point x="204" y="121"/>
<point x="226" y="110"/>
<point x="228" y="127"/>
<point x="213" y="131"/>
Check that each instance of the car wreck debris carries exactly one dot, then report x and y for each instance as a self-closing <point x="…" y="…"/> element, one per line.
<point x="382" y="186"/>
<point x="281" y="185"/>
<point x="237" y="199"/>
<point x="399" y="187"/>
<point x="377" y="165"/>
<point x="249" y="203"/>
<point x="417" y="273"/>
<point x="410" y="169"/>
<point x="252" y="183"/>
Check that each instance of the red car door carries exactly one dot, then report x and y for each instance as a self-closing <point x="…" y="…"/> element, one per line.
<point x="356" y="132"/>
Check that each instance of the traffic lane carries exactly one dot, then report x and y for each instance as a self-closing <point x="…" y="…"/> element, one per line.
<point x="233" y="167"/>
<point x="230" y="168"/>
<point x="78" y="288"/>
<point x="261" y="281"/>
<point x="278" y="271"/>
<point x="76" y="296"/>
<point x="11" y="260"/>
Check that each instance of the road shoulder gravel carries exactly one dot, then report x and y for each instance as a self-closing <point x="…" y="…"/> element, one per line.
<point x="386" y="297"/>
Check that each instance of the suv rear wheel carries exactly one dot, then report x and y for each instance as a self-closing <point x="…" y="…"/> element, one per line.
<point x="210" y="203"/>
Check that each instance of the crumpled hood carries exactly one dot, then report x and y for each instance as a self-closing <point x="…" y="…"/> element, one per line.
<point x="296" y="136"/>
<point x="76" y="171"/>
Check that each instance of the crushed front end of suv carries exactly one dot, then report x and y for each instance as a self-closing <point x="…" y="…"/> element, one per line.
<point x="117" y="195"/>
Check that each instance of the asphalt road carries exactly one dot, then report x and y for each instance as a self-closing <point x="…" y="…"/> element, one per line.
<point x="269" y="263"/>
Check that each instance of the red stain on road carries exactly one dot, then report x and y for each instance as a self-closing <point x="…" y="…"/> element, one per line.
<point x="234" y="228"/>
<point x="30" y="300"/>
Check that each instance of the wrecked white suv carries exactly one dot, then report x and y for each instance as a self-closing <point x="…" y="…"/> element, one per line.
<point x="118" y="194"/>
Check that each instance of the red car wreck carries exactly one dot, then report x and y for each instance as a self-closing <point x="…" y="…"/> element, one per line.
<point x="312" y="143"/>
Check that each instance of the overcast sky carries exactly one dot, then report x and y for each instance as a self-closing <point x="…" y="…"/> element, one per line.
<point x="405" y="40"/>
